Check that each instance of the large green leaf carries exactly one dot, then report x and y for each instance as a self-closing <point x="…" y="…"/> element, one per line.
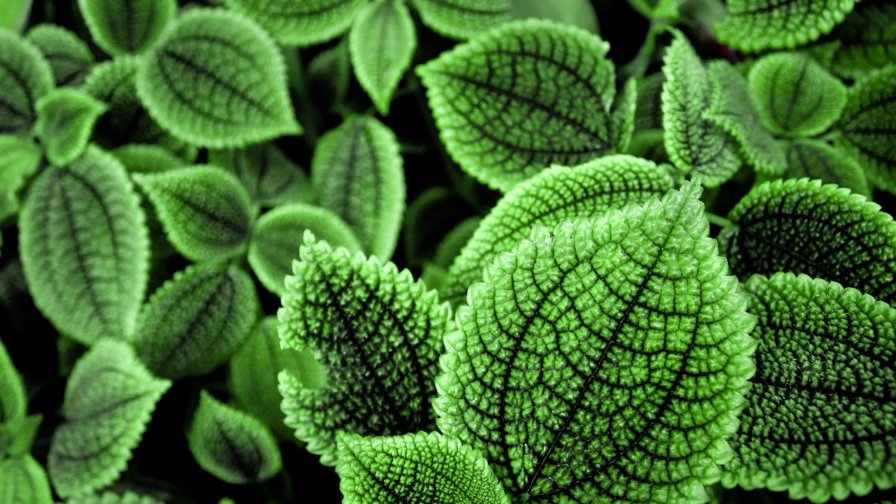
<point x="866" y="40"/>
<point x="23" y="482"/>
<point x="217" y="80"/>
<point x="818" y="160"/>
<point x="521" y="98"/>
<point x="109" y="399"/>
<point x="301" y="23"/>
<point x="270" y="177"/>
<point x="462" y="19"/>
<point x="604" y="360"/>
<point x="378" y="334"/>
<point x="112" y="498"/>
<point x="25" y="76"/>
<point x="68" y="56"/>
<point x="127" y="26"/>
<point x="821" y="417"/>
<point x="19" y="159"/>
<point x="84" y="247"/>
<point x="13" y="403"/>
<point x="65" y="119"/>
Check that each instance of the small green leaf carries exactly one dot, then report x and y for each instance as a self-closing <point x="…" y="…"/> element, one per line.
<point x="206" y="212"/>
<point x="270" y="177"/>
<point x="109" y="399"/>
<point x="17" y="435"/>
<point x="147" y="158"/>
<point x="111" y="498"/>
<point x="65" y="119"/>
<point x="84" y="247"/>
<point x="23" y="482"/>
<point x="818" y="160"/>
<point x="657" y="9"/>
<point x="820" y="417"/>
<point x="523" y="97"/>
<point x="19" y="158"/>
<point x="462" y="19"/>
<point x="217" y="80"/>
<point x="796" y="96"/>
<point x="25" y="76"/>
<point x="13" y="403"/>
<point x="231" y="445"/>
<point x="419" y="467"/>
<point x="303" y="23"/>
<point x="357" y="173"/>
<point x="866" y="40"/>
<point x="195" y="321"/>
<point x="127" y="26"/>
<point x="573" y="12"/>
<point x="277" y="236"/>
<point x="382" y="43"/>
<point x="69" y="57"/>
<point x="623" y="116"/>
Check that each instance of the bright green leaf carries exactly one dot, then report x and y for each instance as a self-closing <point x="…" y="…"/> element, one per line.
<point x="111" y="498"/>
<point x="127" y="26"/>
<point x="866" y="40"/>
<point x="25" y="76"/>
<point x="462" y="19"/>
<point x="270" y="177"/>
<point x="303" y="23"/>
<point x="623" y="116"/>
<point x="574" y="12"/>
<point x="17" y="435"/>
<point x="657" y="9"/>
<point x="818" y="160"/>
<point x="13" y="403"/>
<point x="65" y="119"/>
<point x="68" y="56"/>
<point x="147" y="158"/>
<point x="23" y="482"/>
<point x="19" y="159"/>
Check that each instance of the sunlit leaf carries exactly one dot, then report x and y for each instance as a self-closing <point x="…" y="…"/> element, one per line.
<point x="65" y="119"/>
<point x="127" y="26"/>
<point x="68" y="56"/>
<point x="303" y="23"/>
<point x="25" y="76"/>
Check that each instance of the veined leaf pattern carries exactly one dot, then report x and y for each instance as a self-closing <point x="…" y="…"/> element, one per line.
<point x="270" y="177"/>
<point x="68" y="56"/>
<point x="302" y="23"/>
<point x="462" y="19"/>
<point x="866" y="40"/>
<point x="65" y="119"/>
<point x="24" y="482"/>
<point x="818" y="160"/>
<point x="127" y="26"/>
<point x="25" y="76"/>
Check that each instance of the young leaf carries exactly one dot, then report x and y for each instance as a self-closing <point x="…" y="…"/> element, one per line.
<point x="462" y="19"/>
<point x="802" y="226"/>
<point x="109" y="399"/>
<point x="866" y="40"/>
<point x="13" y="403"/>
<point x="65" y="119"/>
<point x="378" y="334"/>
<point x="111" y="498"/>
<point x="757" y="25"/>
<point x="796" y="96"/>
<point x="25" y="76"/>
<point x="23" y="482"/>
<point x="382" y="44"/>
<point x="217" y="80"/>
<point x="277" y="236"/>
<point x="147" y="158"/>
<point x="84" y="247"/>
<point x="523" y="97"/>
<point x="195" y="321"/>
<point x="19" y="159"/>
<point x="421" y="467"/>
<point x="127" y="26"/>
<point x="69" y="57"/>
<point x="206" y="212"/>
<point x="606" y="358"/>
<point x="818" y="160"/>
<point x="231" y="445"/>
<point x="302" y="23"/>
<point x="357" y="173"/>
<point x="549" y="198"/>
<point x="820" y="415"/>
<point x="270" y="177"/>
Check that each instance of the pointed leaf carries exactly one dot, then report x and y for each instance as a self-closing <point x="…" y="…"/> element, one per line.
<point x="111" y="498"/>
<point x="13" y="403"/>
<point x="19" y="158"/>
<point x="270" y="177"/>
<point x="217" y="80"/>
<point x="69" y="57"/>
<point x="127" y="26"/>
<point x="521" y="98"/>
<point x="65" y="119"/>
<point x="818" y="160"/>
<point x="302" y="23"/>
<point x="25" y="76"/>
<point x="866" y="40"/>
<point x="24" y="482"/>
<point x="462" y="19"/>
<point x="606" y="358"/>
<point x="417" y="467"/>
<point x="147" y="158"/>
<point x="84" y="247"/>
<point x="109" y="399"/>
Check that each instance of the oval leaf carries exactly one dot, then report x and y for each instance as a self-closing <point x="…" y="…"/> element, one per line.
<point x="462" y="19"/>
<point x="25" y="76"/>
<point x="270" y="177"/>
<point x="302" y="23"/>
<point x="13" y="403"/>
<point x="866" y="40"/>
<point x="127" y="26"/>
<point x="24" y="482"/>
<point x="69" y="57"/>
<point x="818" y="160"/>
<point x="145" y="158"/>
<point x="65" y="119"/>
<point x="19" y="158"/>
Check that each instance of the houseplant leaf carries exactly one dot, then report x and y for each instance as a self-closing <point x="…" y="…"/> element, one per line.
<point x="69" y="57"/>
<point x="462" y="19"/>
<point x="270" y="177"/>
<point x="866" y="40"/>
<point x="300" y="23"/>
<point x="819" y="160"/>
<point x="657" y="9"/>
<point x="127" y="26"/>
<point x="19" y="158"/>
<point x="25" y="76"/>
<point x="147" y="158"/>
<point x="13" y="403"/>
<point x="579" y="13"/>
<point x="24" y="482"/>
<point x="65" y="119"/>
<point x="111" y="498"/>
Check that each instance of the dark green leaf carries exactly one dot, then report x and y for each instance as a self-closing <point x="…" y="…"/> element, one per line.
<point x="25" y="76"/>
<point x="68" y="56"/>
<point x="649" y="109"/>
<point x="147" y="158"/>
<point x="818" y="160"/>
<point x="462" y="19"/>
<point x="127" y="26"/>
<point x="270" y="177"/>
<point x="303" y="23"/>
<point x="13" y="403"/>
<point x="23" y="482"/>
<point x="65" y="119"/>
<point x="19" y="159"/>
<point x="111" y="498"/>
<point x="657" y="9"/>
<point x="866" y="40"/>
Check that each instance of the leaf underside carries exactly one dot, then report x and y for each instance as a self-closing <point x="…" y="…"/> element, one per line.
<point x="127" y="26"/>
<point x="302" y="23"/>
<point x="25" y="76"/>
<point x="69" y="57"/>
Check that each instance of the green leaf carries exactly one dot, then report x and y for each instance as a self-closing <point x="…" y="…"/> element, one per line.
<point x="382" y="44"/>
<point x="84" y="247"/>
<point x="695" y="144"/>
<point x="196" y="321"/>
<point x="69" y="57"/>
<point x="454" y="241"/>
<point x="65" y="119"/>
<point x="147" y="158"/>
<point x="270" y="177"/>
<point x="217" y="80"/>
<point x="19" y="158"/>
<point x="623" y="115"/>
<point x="25" y="76"/>
<point x="231" y="445"/>
<point x="127" y="26"/>
<point x="657" y="9"/>
<point x="757" y="25"/>
<point x="649" y="108"/>
<point x="302" y="23"/>
<point x="24" y="482"/>
<point x="547" y="200"/>
<point x="329" y="75"/>
<point x="14" y="14"/>
<point x="796" y="96"/>
<point x="818" y="160"/>
<point x="820" y="416"/>
<point x="357" y="173"/>
<point x="277" y="236"/>
<point x="109" y="399"/>
<point x="206" y="212"/>
<point x="377" y="332"/>
<point x="13" y="403"/>
<point x="606" y="358"/>
<point x="574" y="12"/>
<point x="866" y="40"/>
<point x="521" y="98"/>
<point x="421" y="467"/>
<point x="734" y="109"/>
<point x="17" y="435"/>
<point x="111" y="498"/>
<point x="462" y="19"/>
<point x="824" y="231"/>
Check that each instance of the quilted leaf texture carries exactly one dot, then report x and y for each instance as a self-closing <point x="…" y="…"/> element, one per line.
<point x="866" y="40"/>
<point x="69" y="57"/>
<point x="821" y="418"/>
<point x="377" y="332"/>
<point x="824" y="231"/>
<point x="127" y="26"/>
<point x="421" y="468"/>
<point x="65" y="119"/>
<point x="757" y="25"/>
<point x="357" y="172"/>
<point x="232" y="445"/>
<point x="195" y="321"/>
<point x="13" y="403"/>
<point x="270" y="177"/>
<point x="523" y="97"/>
<point x="84" y="247"/>
<point x="109" y="399"/>
<point x="146" y="158"/>
<point x="24" y="482"/>
<point x="604" y="361"/>
<point x="19" y="157"/>
<point x="111" y="498"/>
<point x="657" y="8"/>
<point x="302" y="23"/>
<point x="206" y="212"/>
<point x="217" y="80"/>
<point x="819" y="160"/>
<point x="462" y="19"/>
<point x="25" y="76"/>
<point x="548" y="199"/>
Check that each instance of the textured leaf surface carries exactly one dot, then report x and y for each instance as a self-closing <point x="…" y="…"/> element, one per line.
<point x="377" y="332"/>
<point x="605" y="360"/>
<point x="69" y="57"/>
<point x="84" y="248"/>
<point x="217" y="80"/>
<point x="19" y="159"/>
<point x="418" y="467"/>
<point x="65" y="119"/>
<point x="277" y="236"/>
<point x="108" y="402"/>
<point x="146" y="158"/>
<point x="127" y="26"/>
<point x="206" y="212"/>
<point x="111" y="498"/>
<point x="302" y="23"/>
<point x="23" y="482"/>
<point x="818" y="160"/>
<point x="649" y="108"/>
<point x="270" y="177"/>
<point x="866" y="40"/>
<point x="826" y="232"/>
<point x="13" y="403"/>
<point x="462" y="19"/>
<point x="548" y="199"/>
<point x="25" y="76"/>
<point x="657" y="9"/>
<point x="521" y="98"/>
<point x="821" y="416"/>
<point x="357" y="172"/>
<point x="196" y="320"/>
